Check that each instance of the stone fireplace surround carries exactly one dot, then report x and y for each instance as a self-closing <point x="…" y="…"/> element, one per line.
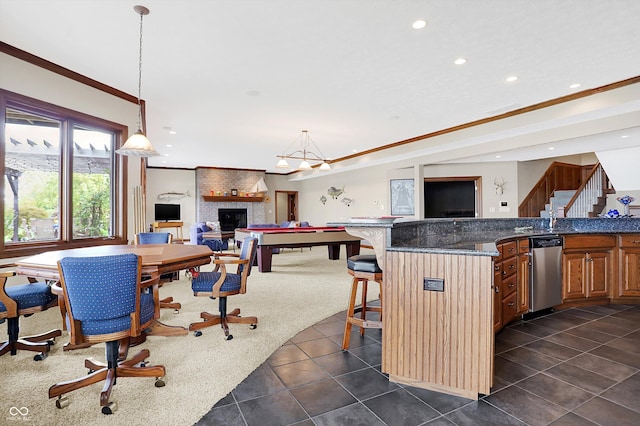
<point x="217" y="179"/>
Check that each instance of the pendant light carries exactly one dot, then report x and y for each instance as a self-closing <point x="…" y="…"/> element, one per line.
<point x="138" y="145"/>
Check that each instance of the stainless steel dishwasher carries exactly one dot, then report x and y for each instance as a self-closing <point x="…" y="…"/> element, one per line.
<point x="545" y="272"/>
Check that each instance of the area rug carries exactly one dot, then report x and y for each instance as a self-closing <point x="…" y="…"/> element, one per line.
<point x="304" y="287"/>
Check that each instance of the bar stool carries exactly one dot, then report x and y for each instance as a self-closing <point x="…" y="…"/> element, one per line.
<point x="363" y="268"/>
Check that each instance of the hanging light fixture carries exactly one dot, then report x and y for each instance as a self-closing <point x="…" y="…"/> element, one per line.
<point x="138" y="145"/>
<point x="304" y="153"/>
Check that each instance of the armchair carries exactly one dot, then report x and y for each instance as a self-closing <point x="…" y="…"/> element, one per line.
<point x="160" y="238"/>
<point x="107" y="302"/>
<point x="221" y="284"/>
<point x="25" y="300"/>
<point x="196" y="237"/>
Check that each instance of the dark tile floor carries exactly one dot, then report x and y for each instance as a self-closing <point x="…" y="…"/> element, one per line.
<point x="579" y="366"/>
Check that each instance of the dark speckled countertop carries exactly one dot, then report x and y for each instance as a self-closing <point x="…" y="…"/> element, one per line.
<point x="478" y="237"/>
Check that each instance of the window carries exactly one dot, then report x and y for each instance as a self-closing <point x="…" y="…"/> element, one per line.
<point x="61" y="185"/>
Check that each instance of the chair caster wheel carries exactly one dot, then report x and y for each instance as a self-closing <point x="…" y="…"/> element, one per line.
<point x="62" y="402"/>
<point x="197" y="333"/>
<point x="110" y="408"/>
<point x="159" y="383"/>
<point x="39" y="356"/>
<point x="229" y="337"/>
<point x="253" y="326"/>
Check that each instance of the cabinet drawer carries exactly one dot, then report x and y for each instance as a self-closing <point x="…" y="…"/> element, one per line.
<point x="589" y="241"/>
<point x="509" y="309"/>
<point x="523" y="245"/>
<point x="509" y="266"/>
<point x="630" y="241"/>
<point x="509" y="249"/>
<point x="509" y="285"/>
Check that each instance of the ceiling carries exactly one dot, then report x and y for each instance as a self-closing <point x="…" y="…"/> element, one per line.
<point x="239" y="80"/>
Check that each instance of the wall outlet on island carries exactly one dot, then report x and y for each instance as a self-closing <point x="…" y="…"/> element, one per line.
<point x="434" y="284"/>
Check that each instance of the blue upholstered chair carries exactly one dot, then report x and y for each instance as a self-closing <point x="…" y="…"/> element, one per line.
<point x="107" y="302"/>
<point x="221" y="284"/>
<point x="153" y="238"/>
<point x="25" y="300"/>
<point x="160" y="238"/>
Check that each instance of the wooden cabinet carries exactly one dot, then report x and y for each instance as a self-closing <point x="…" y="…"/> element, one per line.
<point x="524" y="261"/>
<point x="497" y="294"/>
<point x="587" y="266"/>
<point x="629" y="284"/>
<point x="505" y="284"/>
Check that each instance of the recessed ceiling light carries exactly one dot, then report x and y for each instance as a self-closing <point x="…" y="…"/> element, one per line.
<point x="511" y="78"/>
<point x="355" y="150"/>
<point x="460" y="61"/>
<point x="551" y="148"/>
<point x="172" y="132"/>
<point x="419" y="24"/>
<point x="575" y="86"/>
<point x="498" y="156"/>
<point x="169" y="145"/>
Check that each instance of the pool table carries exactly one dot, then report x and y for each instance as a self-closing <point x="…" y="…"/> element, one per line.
<point x="270" y="238"/>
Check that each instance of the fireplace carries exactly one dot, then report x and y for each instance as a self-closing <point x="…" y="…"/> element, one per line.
<point x="231" y="219"/>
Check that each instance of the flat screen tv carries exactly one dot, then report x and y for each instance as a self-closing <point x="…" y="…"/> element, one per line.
<point x="167" y="212"/>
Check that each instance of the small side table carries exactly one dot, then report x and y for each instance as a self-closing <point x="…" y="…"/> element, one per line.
<point x="158" y="226"/>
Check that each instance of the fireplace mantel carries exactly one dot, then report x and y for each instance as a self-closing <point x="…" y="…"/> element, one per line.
<point x="229" y="199"/>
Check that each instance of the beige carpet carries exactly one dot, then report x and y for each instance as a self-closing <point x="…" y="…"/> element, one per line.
<point x="304" y="288"/>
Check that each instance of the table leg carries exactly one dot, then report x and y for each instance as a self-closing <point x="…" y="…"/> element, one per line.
<point x="265" y="255"/>
<point x="334" y="251"/>
<point x="159" y="329"/>
<point x="353" y="249"/>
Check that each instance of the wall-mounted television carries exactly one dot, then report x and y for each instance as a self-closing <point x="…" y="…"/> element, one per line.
<point x="167" y="212"/>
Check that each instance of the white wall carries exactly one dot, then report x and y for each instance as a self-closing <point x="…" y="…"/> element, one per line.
<point x="161" y="181"/>
<point x="367" y="188"/>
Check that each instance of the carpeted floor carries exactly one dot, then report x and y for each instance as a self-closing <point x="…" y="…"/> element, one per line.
<point x="304" y="288"/>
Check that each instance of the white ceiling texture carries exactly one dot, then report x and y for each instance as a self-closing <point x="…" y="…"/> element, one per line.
<point x="239" y="79"/>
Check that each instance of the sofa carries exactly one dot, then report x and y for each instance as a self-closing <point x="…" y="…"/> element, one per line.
<point x="195" y="233"/>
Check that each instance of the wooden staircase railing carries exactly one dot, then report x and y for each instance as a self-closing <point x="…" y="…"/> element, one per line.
<point x="559" y="176"/>
<point x="590" y="197"/>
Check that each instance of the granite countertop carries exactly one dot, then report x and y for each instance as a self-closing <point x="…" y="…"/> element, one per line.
<point x="478" y="237"/>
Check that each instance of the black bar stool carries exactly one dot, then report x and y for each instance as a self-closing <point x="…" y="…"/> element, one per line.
<point x="363" y="268"/>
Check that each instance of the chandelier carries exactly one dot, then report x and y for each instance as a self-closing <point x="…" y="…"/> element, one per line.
<point x="138" y="145"/>
<point x="304" y="153"/>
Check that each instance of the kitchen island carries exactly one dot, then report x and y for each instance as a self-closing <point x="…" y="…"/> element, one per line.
<point x="442" y="287"/>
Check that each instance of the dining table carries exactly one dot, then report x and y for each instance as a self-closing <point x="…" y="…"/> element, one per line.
<point x="157" y="259"/>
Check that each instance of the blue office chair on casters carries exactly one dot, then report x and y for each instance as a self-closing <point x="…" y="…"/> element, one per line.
<point x="160" y="238"/>
<point x="25" y="300"/>
<point x="107" y="302"/>
<point x="221" y="284"/>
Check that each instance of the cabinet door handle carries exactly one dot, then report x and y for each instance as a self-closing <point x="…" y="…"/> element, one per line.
<point x="511" y="285"/>
<point x="496" y="289"/>
<point x="510" y="304"/>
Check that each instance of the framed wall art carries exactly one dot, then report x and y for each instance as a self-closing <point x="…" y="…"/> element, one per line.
<point x="402" y="197"/>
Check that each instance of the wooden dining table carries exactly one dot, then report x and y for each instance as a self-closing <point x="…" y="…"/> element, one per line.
<point x="157" y="259"/>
